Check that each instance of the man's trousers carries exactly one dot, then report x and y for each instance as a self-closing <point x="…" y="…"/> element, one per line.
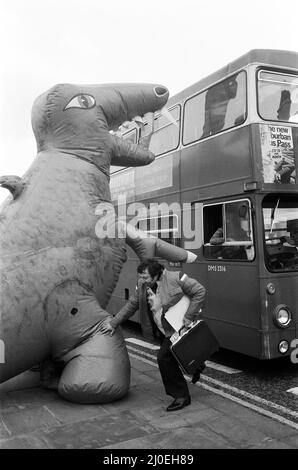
<point x="171" y="374"/>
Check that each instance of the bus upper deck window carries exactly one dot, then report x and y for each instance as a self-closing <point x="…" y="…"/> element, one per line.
<point x="216" y="103"/>
<point x="166" y="131"/>
<point x="278" y="96"/>
<point x="221" y="107"/>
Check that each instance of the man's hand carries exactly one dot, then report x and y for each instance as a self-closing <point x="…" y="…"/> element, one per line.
<point x="140" y="282"/>
<point x="186" y="323"/>
<point x="154" y="301"/>
<point x="106" y="327"/>
<point x="278" y="177"/>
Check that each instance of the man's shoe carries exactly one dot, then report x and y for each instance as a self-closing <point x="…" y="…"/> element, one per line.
<point x="197" y="373"/>
<point x="179" y="403"/>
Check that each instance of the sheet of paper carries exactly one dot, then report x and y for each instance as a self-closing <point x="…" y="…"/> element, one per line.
<point x="176" y="313"/>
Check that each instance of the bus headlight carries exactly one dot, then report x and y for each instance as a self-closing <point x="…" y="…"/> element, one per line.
<point x="282" y="316"/>
<point x="283" y="346"/>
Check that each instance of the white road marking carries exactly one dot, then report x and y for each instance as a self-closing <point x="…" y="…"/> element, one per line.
<point x="293" y="390"/>
<point x="212" y="365"/>
<point x="143" y="353"/>
<point x="262" y="401"/>
<point x="239" y="400"/>
<point x="251" y="406"/>
<point x="222" y="368"/>
<point x="142" y="343"/>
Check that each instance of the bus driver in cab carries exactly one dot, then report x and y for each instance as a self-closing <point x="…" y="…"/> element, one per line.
<point x="292" y="240"/>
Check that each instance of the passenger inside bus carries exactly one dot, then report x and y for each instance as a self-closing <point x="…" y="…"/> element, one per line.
<point x="278" y="96"/>
<point x="283" y="112"/>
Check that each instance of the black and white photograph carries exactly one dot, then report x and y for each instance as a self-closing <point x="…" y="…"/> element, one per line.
<point x="149" y="231"/>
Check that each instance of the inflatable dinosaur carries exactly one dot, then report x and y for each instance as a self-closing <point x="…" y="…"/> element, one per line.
<point x="57" y="274"/>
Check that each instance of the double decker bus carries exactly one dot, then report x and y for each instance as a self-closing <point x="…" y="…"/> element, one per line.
<point x="226" y="165"/>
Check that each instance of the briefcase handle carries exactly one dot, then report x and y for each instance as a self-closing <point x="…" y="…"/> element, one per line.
<point x="192" y="324"/>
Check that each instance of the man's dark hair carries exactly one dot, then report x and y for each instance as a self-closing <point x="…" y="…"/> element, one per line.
<point x="153" y="266"/>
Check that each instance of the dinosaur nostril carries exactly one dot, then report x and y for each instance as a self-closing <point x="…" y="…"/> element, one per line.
<point x="161" y="90"/>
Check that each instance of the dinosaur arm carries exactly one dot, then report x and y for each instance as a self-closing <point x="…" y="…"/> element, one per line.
<point x="125" y="153"/>
<point x="146" y="246"/>
<point x="13" y="183"/>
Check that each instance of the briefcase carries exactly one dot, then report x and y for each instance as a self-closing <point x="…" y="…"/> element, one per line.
<point x="194" y="347"/>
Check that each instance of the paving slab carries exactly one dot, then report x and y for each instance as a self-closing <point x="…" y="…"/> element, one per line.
<point x="139" y="378"/>
<point x="135" y="399"/>
<point x="182" y="438"/>
<point x="271" y="444"/>
<point x="4" y="431"/>
<point x="6" y="402"/>
<point x="33" y="396"/>
<point x="268" y="426"/>
<point x="292" y="440"/>
<point x="240" y="435"/>
<point x="66" y="412"/>
<point x="28" y="419"/>
<point x="140" y="365"/>
<point x="161" y="419"/>
<point x="97" y="432"/>
<point x="24" y="442"/>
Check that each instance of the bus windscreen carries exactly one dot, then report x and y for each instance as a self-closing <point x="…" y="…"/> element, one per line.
<point x="278" y="96"/>
<point x="280" y="214"/>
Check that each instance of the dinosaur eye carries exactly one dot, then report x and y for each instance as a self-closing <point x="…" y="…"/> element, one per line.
<point x="81" y="101"/>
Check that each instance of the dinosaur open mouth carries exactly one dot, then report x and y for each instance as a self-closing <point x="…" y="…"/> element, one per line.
<point x="160" y="90"/>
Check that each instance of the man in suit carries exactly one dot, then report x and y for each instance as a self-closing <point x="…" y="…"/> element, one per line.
<point x="157" y="290"/>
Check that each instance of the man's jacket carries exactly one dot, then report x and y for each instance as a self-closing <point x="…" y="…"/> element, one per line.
<point x="172" y="285"/>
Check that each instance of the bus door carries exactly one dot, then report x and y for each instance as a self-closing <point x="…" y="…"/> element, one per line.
<point x="231" y="275"/>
